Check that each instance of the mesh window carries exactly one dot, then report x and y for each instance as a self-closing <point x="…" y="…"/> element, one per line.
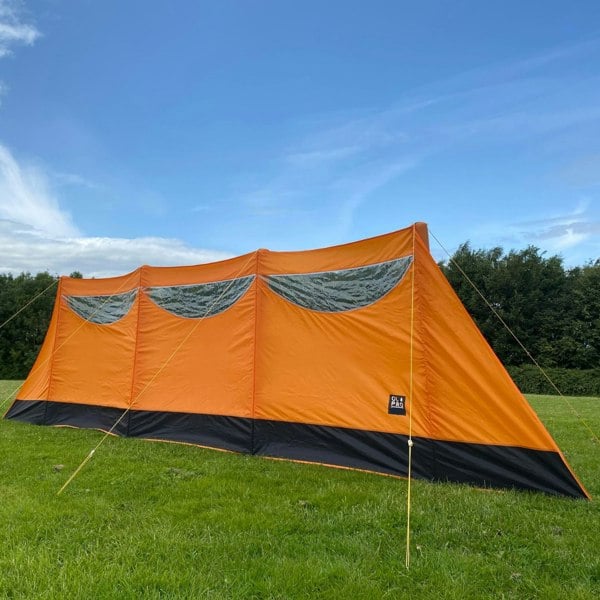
<point x="201" y="300"/>
<point x="337" y="291"/>
<point x="102" y="310"/>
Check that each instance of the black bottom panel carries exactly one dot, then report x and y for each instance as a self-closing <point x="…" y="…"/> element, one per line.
<point x="214" y="431"/>
<point x="86" y="416"/>
<point x="477" y="464"/>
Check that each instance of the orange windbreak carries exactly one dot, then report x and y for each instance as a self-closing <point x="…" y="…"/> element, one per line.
<point x="305" y="355"/>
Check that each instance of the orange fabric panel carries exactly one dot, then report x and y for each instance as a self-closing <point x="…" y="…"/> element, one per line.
<point x="37" y="384"/>
<point x="95" y="287"/>
<point x="232" y="268"/>
<point x="199" y="365"/>
<point x="355" y="254"/>
<point x="335" y="369"/>
<point x="93" y="364"/>
<point x="469" y="394"/>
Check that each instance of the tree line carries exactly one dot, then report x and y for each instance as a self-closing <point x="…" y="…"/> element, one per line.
<point x="553" y="310"/>
<point x="26" y="303"/>
<point x="22" y="335"/>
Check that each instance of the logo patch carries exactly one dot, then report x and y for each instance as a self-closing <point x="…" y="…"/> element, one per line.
<point x="397" y="405"/>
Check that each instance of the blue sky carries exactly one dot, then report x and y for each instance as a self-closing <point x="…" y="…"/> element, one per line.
<point x="180" y="132"/>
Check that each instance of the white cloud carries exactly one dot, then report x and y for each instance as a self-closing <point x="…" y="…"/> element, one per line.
<point x="25" y="197"/>
<point x="358" y="189"/>
<point x="568" y="232"/>
<point x="562" y="231"/>
<point x="573" y="234"/>
<point x="568" y="237"/>
<point x="496" y="104"/>
<point x="37" y="235"/>
<point x="13" y="30"/>
<point x="25" y="249"/>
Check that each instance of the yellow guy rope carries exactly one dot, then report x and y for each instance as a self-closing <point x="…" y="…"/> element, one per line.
<point x="410" y="407"/>
<point x="533" y="360"/>
<point x="150" y="382"/>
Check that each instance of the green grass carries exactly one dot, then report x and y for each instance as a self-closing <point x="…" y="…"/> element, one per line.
<point x="156" y="520"/>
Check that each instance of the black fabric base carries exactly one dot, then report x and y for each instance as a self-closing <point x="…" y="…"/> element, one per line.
<point x="476" y="464"/>
<point x="227" y="433"/>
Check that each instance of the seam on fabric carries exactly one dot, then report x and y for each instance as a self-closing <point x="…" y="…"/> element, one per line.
<point x="59" y="297"/>
<point x="254" y="353"/>
<point x="423" y="337"/>
<point x="135" y="347"/>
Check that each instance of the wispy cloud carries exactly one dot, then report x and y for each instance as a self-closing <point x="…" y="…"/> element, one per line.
<point x="576" y="230"/>
<point x="25" y="197"/>
<point x="563" y="237"/>
<point x="36" y="234"/>
<point x="73" y="179"/>
<point x="334" y="170"/>
<point x="566" y="231"/>
<point x="499" y="102"/>
<point x="312" y="157"/>
<point x="356" y="190"/>
<point x="13" y="31"/>
<point x="343" y="163"/>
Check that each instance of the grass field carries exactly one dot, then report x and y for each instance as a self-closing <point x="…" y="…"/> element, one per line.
<point x="156" y="520"/>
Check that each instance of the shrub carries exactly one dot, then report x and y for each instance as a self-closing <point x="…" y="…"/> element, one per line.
<point x="571" y="382"/>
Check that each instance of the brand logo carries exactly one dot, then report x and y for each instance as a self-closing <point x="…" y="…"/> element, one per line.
<point x="397" y="405"/>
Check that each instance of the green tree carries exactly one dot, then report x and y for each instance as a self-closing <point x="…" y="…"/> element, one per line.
<point x="553" y="312"/>
<point x="23" y="334"/>
<point x="580" y="347"/>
